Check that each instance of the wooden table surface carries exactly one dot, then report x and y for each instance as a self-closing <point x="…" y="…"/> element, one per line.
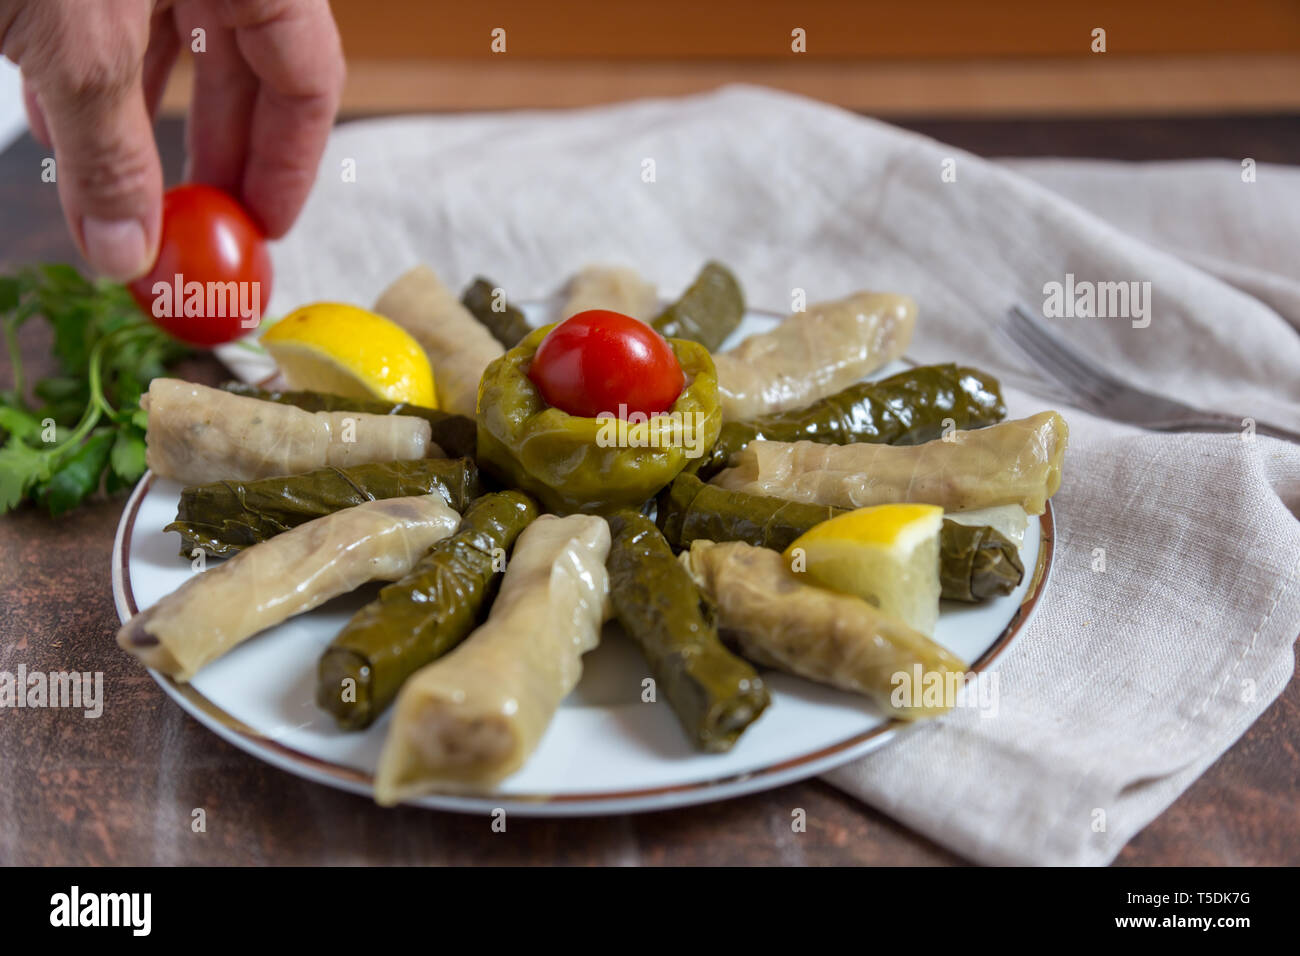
<point x="121" y="789"/>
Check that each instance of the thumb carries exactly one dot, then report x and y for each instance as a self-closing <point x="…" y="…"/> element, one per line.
<point x="107" y="167"/>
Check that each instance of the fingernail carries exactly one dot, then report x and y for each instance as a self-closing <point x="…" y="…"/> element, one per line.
<point x="118" y="248"/>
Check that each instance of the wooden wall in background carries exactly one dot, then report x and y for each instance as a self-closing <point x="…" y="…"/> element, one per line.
<point x="845" y="29"/>
<point x="928" y="57"/>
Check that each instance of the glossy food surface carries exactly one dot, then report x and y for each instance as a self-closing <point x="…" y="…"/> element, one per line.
<point x="778" y="620"/>
<point x="454" y="434"/>
<point x="474" y="716"/>
<point x="1016" y="462"/>
<point x="714" y="693"/>
<point x="572" y="463"/>
<point x="285" y="576"/>
<point x="976" y="562"/>
<point x="908" y="408"/>
<point x="707" y="312"/>
<point x="224" y="517"/>
<point x="208" y="238"/>
<point x="424" y="615"/>
<point x="814" y="353"/>
<point x="605" y="363"/>
<point x="198" y="434"/>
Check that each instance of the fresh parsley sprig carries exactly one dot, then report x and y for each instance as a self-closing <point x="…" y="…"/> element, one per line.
<point x="84" y="427"/>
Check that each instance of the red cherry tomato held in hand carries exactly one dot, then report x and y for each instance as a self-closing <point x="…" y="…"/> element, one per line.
<point x="210" y="239"/>
<point x="601" y="362"/>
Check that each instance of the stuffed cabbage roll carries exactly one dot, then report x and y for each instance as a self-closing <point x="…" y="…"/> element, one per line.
<point x="1016" y="462"/>
<point x="474" y="716"/>
<point x="224" y="517"/>
<point x="707" y="312"/>
<point x="610" y="287"/>
<point x="506" y="323"/>
<point x="777" y="620"/>
<point x="458" y="346"/>
<point x="813" y="354"/>
<point x="291" y="573"/>
<point x="1010" y="521"/>
<point x="457" y="435"/>
<point x="714" y="694"/>
<point x="422" y="616"/>
<point x="905" y="409"/>
<point x="198" y="434"/>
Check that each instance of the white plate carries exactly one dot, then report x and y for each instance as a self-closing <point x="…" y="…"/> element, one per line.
<point x="606" y="752"/>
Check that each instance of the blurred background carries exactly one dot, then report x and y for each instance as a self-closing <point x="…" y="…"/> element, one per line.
<point x="941" y="58"/>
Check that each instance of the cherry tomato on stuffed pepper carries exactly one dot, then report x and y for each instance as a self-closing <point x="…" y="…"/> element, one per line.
<point x="601" y="362"/>
<point x="209" y="241"/>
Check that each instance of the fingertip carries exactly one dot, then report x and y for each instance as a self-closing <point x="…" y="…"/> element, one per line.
<point x="118" y="249"/>
<point x="275" y="196"/>
<point x="277" y="223"/>
<point x="36" y="116"/>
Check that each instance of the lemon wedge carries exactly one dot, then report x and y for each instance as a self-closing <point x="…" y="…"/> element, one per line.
<point x="887" y="555"/>
<point x="345" y="350"/>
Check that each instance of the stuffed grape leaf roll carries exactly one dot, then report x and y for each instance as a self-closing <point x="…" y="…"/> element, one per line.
<point x="291" y="573"/>
<point x="506" y="323"/>
<point x="905" y="409"/>
<point x="1016" y="462"/>
<point x="198" y="434"/>
<point x="714" y="693"/>
<point x="777" y="620"/>
<point x="475" y="715"/>
<point x="690" y="510"/>
<point x="457" y="435"/>
<point x="424" y="615"/>
<point x="707" y="312"/>
<point x="975" y="563"/>
<point x="223" y="517"/>
<point x="813" y="354"/>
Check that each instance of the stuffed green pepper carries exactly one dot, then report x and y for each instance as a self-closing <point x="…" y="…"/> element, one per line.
<point x="598" y="418"/>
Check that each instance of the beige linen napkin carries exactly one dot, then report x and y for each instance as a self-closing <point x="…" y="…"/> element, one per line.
<point x="1129" y="681"/>
<point x="1208" y="212"/>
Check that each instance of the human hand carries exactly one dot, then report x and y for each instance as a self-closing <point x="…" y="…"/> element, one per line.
<point x="266" y="89"/>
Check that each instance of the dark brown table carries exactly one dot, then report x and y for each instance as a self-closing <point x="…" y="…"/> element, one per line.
<point x="121" y="789"/>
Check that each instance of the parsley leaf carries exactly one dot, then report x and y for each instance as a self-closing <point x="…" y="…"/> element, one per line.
<point x="18" y="421"/>
<point x="21" y="468"/>
<point x="127" y="457"/>
<point x="78" y="474"/>
<point x="108" y="351"/>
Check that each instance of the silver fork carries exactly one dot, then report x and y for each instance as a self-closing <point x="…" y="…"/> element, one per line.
<point x="1096" y="390"/>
